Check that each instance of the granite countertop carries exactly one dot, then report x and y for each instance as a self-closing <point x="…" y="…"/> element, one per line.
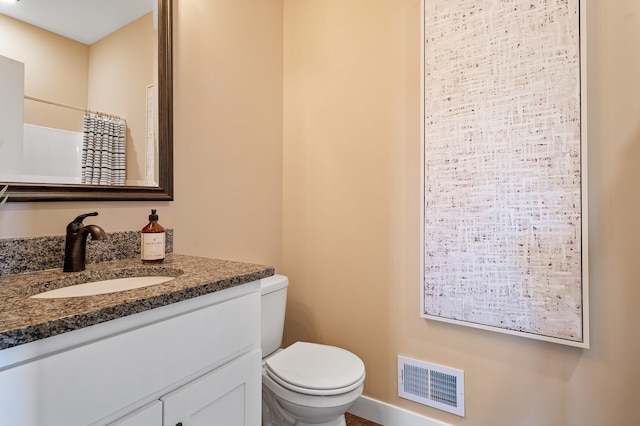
<point x="24" y="320"/>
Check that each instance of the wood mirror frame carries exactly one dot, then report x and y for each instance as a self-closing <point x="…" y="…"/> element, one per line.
<point x="164" y="190"/>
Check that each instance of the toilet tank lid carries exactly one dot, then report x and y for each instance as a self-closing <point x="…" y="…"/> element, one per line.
<point x="273" y="283"/>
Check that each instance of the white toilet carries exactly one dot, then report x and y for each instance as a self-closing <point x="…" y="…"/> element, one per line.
<point x="306" y="383"/>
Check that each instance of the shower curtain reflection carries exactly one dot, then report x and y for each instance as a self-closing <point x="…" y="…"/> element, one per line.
<point x="103" y="150"/>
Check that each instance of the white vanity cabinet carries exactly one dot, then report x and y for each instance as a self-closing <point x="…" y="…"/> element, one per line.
<point x="195" y="362"/>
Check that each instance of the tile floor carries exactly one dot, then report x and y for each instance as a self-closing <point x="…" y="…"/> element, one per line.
<point x="358" y="421"/>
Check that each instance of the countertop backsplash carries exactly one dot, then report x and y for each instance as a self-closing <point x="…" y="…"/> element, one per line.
<point x="30" y="254"/>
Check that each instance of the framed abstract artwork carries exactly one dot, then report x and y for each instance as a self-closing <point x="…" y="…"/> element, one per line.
<point x="504" y="196"/>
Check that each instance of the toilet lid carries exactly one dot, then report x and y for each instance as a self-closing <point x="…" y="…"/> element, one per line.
<point x="316" y="369"/>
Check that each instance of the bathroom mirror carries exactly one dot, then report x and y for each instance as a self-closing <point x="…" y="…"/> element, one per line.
<point x="157" y="116"/>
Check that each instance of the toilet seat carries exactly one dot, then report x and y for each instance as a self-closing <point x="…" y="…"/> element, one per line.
<point x="315" y="369"/>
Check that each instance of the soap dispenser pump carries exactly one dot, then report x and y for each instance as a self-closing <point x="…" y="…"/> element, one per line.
<point x="152" y="239"/>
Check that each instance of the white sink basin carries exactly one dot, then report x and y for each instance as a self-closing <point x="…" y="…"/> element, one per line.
<point x="102" y="287"/>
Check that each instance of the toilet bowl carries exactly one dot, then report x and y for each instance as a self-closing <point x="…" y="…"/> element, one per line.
<point x="306" y="383"/>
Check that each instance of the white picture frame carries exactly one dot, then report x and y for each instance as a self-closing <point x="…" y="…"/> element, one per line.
<point x="504" y="229"/>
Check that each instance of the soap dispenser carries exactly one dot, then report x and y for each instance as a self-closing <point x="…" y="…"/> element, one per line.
<point x="152" y="241"/>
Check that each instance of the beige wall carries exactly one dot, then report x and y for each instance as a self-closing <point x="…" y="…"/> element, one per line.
<point x="351" y="219"/>
<point x="228" y="141"/>
<point x="55" y="70"/>
<point x="121" y="66"/>
<point x="350" y="208"/>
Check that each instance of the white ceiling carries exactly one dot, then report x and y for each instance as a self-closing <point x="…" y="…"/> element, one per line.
<point x="86" y="21"/>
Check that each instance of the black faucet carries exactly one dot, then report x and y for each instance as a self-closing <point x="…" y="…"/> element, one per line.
<point x="75" y="248"/>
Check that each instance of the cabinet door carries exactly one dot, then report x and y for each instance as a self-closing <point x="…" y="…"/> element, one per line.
<point x="149" y="415"/>
<point x="228" y="396"/>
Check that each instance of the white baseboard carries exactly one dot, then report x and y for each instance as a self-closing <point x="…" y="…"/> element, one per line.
<point x="390" y="415"/>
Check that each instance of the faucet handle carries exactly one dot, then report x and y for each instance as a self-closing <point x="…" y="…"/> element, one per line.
<point x="76" y="224"/>
<point x="80" y="218"/>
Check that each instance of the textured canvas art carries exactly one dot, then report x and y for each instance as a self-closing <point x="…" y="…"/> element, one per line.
<point x="502" y="167"/>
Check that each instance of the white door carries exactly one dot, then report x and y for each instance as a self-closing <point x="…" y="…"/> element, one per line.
<point x="228" y="396"/>
<point x="11" y="118"/>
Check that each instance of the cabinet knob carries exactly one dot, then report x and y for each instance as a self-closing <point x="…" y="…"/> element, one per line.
<point x="179" y="424"/>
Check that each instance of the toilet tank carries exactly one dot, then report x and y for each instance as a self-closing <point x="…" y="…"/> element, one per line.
<point x="273" y="304"/>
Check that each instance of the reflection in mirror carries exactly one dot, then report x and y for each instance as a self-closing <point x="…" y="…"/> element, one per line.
<point x="86" y="114"/>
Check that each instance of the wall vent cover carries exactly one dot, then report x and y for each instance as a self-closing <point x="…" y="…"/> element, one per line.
<point x="430" y="384"/>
